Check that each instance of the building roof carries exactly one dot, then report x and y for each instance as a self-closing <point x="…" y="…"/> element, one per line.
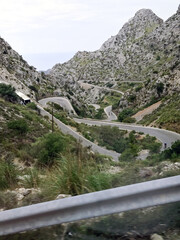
<point x="22" y="95"/>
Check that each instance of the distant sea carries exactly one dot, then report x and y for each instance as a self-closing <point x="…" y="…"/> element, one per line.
<point x="45" y="61"/>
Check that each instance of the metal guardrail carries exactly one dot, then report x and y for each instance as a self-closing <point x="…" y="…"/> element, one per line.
<point x="91" y="205"/>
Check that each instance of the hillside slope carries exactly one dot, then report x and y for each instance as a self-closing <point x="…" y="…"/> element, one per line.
<point x="145" y="49"/>
<point x="16" y="71"/>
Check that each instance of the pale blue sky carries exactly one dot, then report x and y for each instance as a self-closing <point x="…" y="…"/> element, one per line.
<point x="46" y="32"/>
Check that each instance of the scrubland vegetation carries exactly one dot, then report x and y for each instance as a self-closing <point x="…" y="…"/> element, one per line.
<point x="51" y="163"/>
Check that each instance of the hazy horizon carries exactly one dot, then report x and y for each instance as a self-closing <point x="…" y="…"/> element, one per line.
<point x="47" y="60"/>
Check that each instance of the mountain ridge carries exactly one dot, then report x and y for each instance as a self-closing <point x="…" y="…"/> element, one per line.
<point x="150" y="54"/>
<point x="17" y="72"/>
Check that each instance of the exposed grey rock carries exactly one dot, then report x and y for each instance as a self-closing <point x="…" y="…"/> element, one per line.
<point x="16" y="71"/>
<point x="146" y="172"/>
<point x="156" y="237"/>
<point x="168" y="166"/>
<point x="61" y="196"/>
<point x="145" y="49"/>
<point x="21" y="193"/>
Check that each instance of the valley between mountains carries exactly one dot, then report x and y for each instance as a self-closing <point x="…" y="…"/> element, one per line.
<point x="101" y="120"/>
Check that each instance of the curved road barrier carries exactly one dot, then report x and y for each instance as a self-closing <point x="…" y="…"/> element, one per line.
<point x="91" y="205"/>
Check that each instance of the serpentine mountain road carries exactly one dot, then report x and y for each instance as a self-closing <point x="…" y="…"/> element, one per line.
<point x="66" y="104"/>
<point x="110" y="115"/>
<point x="88" y="85"/>
<point x="63" y="102"/>
<point x="85" y="142"/>
<point x="163" y="135"/>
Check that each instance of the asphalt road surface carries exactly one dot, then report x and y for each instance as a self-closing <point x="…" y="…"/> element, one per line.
<point x="110" y="115"/>
<point x="63" y="102"/>
<point x="163" y="135"/>
<point x="85" y="85"/>
<point x="85" y="142"/>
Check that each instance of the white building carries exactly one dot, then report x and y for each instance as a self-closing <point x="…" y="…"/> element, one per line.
<point x="24" y="99"/>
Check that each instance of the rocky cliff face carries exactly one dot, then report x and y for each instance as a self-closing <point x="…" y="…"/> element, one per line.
<point x="16" y="71"/>
<point x="141" y="24"/>
<point x="145" y="49"/>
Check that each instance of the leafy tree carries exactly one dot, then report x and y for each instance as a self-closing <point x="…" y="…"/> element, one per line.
<point x="132" y="98"/>
<point x="8" y="92"/>
<point x="129" y="154"/>
<point x="132" y="138"/>
<point x="124" y="114"/>
<point x="176" y="147"/>
<point x="49" y="147"/>
<point x="99" y="114"/>
<point x="160" y="88"/>
<point x="173" y="151"/>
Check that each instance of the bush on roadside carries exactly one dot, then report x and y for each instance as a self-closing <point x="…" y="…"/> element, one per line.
<point x="99" y="114"/>
<point x="8" y="174"/>
<point x="74" y="177"/>
<point x="129" y="153"/>
<point x="127" y="112"/>
<point x="48" y="147"/>
<point x="129" y="120"/>
<point x="172" y="152"/>
<point x="32" y="105"/>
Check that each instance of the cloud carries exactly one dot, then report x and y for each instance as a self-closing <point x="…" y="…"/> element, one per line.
<point x="37" y="26"/>
<point x="36" y="13"/>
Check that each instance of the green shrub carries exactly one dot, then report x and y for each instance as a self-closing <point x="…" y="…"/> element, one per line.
<point x="8" y="174"/>
<point x="32" y="179"/>
<point x="128" y="155"/>
<point x="132" y="98"/>
<point x="32" y="105"/>
<point x="99" y="114"/>
<point x="124" y="114"/>
<point x="159" y="88"/>
<point x="48" y="148"/>
<point x="130" y="152"/>
<point x="20" y="126"/>
<point x="172" y="152"/>
<point x="72" y="176"/>
<point x="176" y="147"/>
<point x="99" y="181"/>
<point x="57" y="107"/>
<point x="129" y="120"/>
<point x="137" y="89"/>
<point x="154" y="147"/>
<point x="8" y="92"/>
<point x="33" y="88"/>
<point x="150" y="143"/>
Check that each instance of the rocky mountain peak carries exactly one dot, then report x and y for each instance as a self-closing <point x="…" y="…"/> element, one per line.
<point x="144" y="22"/>
<point x="178" y="11"/>
<point x="145" y="49"/>
<point x="145" y="12"/>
